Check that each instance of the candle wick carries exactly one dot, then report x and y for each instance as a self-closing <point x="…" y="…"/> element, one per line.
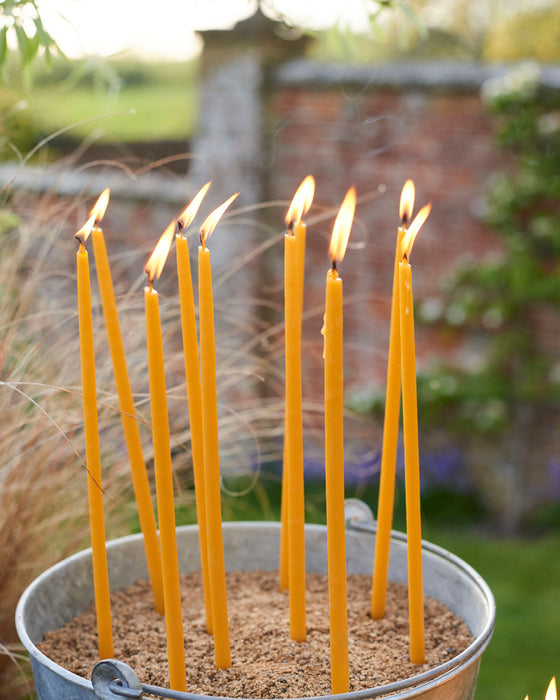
<point x="333" y="265"/>
<point x="404" y="221"/>
<point x="180" y="227"/>
<point x="405" y="258"/>
<point x="291" y="228"/>
<point x="203" y="240"/>
<point x="150" y="283"/>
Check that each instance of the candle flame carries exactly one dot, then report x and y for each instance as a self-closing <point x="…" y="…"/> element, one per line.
<point x="83" y="234"/>
<point x="96" y="214"/>
<point x="98" y="209"/>
<point x="551" y="693"/>
<point x="342" y="226"/>
<point x="209" y="224"/>
<point x="301" y="202"/>
<point x="407" y="202"/>
<point x="156" y="261"/>
<point x="186" y="218"/>
<point x="412" y="232"/>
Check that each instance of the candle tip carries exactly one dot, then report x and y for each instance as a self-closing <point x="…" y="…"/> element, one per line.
<point x="153" y="268"/>
<point x="407" y="202"/>
<point x="209" y="224"/>
<point x="185" y="219"/>
<point x="414" y="228"/>
<point x="342" y="227"/>
<point x="301" y="202"/>
<point x="83" y="234"/>
<point x="99" y="208"/>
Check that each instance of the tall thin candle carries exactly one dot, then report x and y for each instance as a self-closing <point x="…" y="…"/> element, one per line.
<point x="334" y="450"/>
<point x="297" y="230"/>
<point x="194" y="396"/>
<point x="390" y="427"/>
<point x="163" y="467"/>
<point x="93" y="460"/>
<point x="127" y="409"/>
<point x="411" y="457"/>
<point x="216" y="565"/>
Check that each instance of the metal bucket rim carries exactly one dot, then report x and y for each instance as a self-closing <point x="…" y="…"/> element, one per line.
<point x="429" y="678"/>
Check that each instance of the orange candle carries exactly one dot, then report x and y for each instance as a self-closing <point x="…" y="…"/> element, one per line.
<point x="390" y="427"/>
<point x="334" y="451"/>
<point x="192" y="375"/>
<point x="215" y="548"/>
<point x="411" y="457"/>
<point x="93" y="461"/>
<point x="297" y="230"/>
<point x="126" y="405"/>
<point x="163" y="467"/>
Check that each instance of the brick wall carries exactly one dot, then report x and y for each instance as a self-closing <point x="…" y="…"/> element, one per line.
<point x="376" y="137"/>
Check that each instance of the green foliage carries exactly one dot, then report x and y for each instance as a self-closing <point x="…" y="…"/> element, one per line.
<point x="118" y="100"/>
<point x="394" y="26"/>
<point x="523" y="575"/>
<point x="21" y="19"/>
<point x="508" y="306"/>
<point x="503" y="297"/>
<point x="531" y="34"/>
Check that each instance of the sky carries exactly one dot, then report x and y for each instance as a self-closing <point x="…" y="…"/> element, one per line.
<point x="165" y="29"/>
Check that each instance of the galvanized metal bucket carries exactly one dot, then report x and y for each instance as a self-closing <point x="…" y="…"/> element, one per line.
<point x="66" y="590"/>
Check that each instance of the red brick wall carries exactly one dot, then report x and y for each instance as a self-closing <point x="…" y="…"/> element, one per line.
<point x="376" y="140"/>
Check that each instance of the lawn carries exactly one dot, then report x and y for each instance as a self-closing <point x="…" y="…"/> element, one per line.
<point x="124" y="101"/>
<point x="524" y="575"/>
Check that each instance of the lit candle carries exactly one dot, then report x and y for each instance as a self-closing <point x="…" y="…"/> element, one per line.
<point x="192" y="375"/>
<point x="163" y="467"/>
<point x="551" y="692"/>
<point x="295" y="512"/>
<point x="334" y="450"/>
<point x="216" y="565"/>
<point x="390" y="427"/>
<point x="127" y="409"/>
<point x="411" y="460"/>
<point x="296" y="229"/>
<point x="93" y="461"/>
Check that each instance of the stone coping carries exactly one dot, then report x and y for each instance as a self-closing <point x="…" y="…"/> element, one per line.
<point x="72" y="182"/>
<point x="429" y="76"/>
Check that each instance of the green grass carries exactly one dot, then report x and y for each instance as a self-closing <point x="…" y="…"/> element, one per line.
<point x="524" y="576"/>
<point x="136" y="113"/>
<point x="122" y="101"/>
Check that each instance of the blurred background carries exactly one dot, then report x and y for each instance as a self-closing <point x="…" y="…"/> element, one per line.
<point x="153" y="101"/>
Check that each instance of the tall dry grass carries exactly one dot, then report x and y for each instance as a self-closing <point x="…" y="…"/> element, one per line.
<point x="43" y="486"/>
<point x="43" y="493"/>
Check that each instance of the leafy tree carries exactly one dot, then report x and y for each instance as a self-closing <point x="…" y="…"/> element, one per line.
<point x="515" y="394"/>
<point x="21" y="18"/>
